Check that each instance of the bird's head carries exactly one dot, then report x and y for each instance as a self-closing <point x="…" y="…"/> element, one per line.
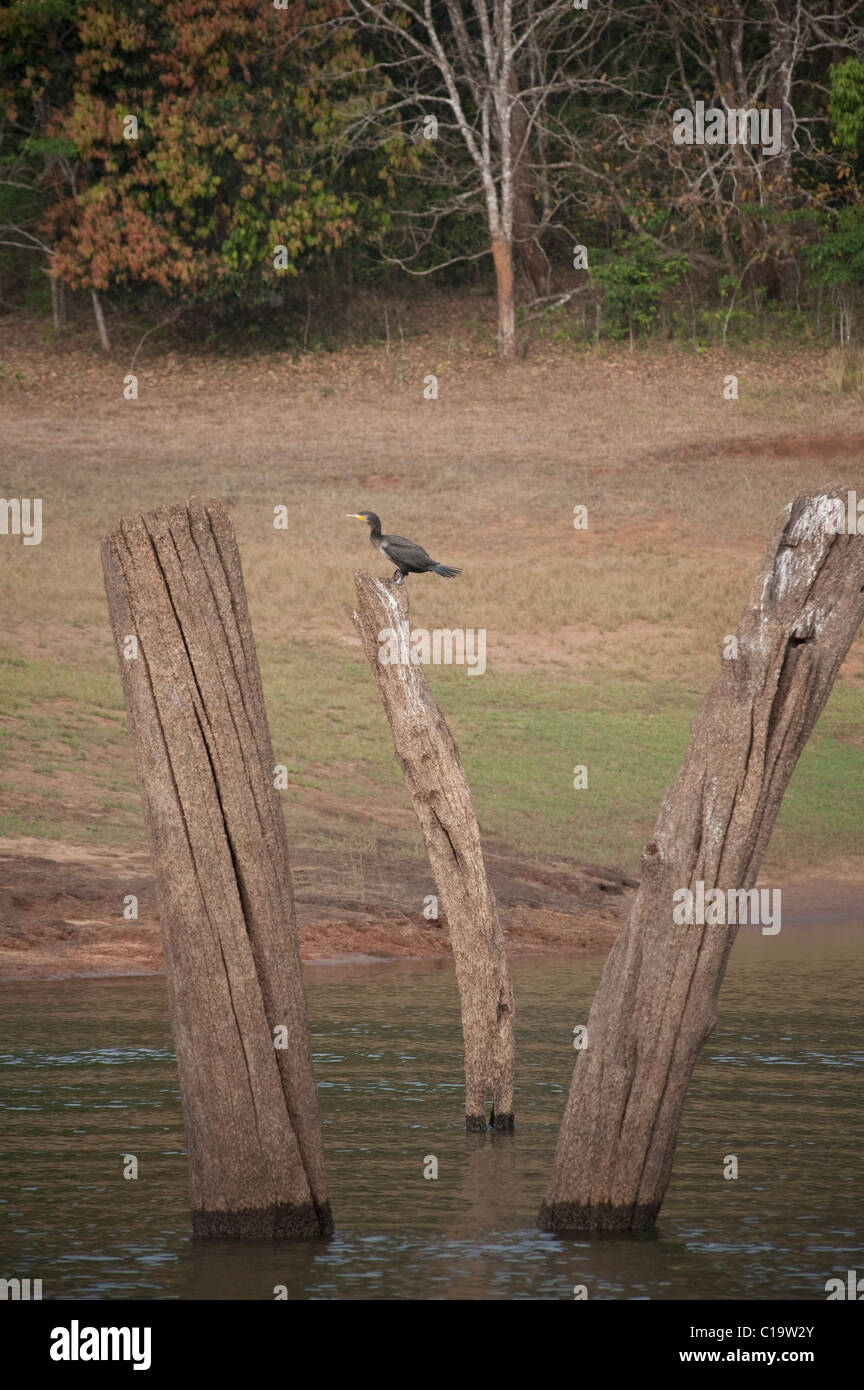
<point x="369" y="517"/>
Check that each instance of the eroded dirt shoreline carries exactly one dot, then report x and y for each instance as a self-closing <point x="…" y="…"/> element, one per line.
<point x="61" y="909"/>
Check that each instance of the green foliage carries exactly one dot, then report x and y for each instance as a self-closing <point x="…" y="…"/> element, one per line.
<point x="847" y="104"/>
<point x="260" y="128"/>
<point x="237" y="118"/>
<point x="837" y="258"/>
<point x="634" y="277"/>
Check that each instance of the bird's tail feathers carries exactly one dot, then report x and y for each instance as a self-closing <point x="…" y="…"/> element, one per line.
<point x="447" y="572"/>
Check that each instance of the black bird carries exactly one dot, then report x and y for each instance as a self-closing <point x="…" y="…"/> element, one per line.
<point x="407" y="556"/>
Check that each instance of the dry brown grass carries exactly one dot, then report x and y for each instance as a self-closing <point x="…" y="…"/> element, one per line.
<point x="680" y="484"/>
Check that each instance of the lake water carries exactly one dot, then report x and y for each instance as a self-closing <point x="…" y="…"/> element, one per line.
<point x="87" y="1075"/>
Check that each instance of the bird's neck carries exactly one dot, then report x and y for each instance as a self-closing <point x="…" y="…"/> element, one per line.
<point x="374" y="530"/>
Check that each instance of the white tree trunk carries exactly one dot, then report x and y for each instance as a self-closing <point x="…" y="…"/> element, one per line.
<point x="100" y="322"/>
<point x="58" y="302"/>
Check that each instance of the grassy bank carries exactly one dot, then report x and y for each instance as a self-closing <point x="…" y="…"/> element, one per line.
<point x="600" y="642"/>
<point x="69" y="772"/>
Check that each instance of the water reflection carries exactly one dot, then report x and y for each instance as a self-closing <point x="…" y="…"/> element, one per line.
<point x="87" y="1075"/>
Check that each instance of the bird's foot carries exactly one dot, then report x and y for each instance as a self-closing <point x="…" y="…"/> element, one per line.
<point x="399" y="577"/>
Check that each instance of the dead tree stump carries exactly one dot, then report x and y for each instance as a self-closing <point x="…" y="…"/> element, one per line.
<point x="205" y="763"/>
<point x="436" y="782"/>
<point x="657" y="1000"/>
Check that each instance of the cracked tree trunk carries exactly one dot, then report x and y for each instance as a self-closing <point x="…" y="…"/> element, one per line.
<point x="436" y="782"/>
<point x="205" y="764"/>
<point x="657" y="1000"/>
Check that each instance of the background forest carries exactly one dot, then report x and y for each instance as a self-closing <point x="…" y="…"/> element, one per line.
<point x="206" y="163"/>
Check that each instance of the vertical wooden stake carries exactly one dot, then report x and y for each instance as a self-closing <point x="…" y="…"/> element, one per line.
<point x="436" y="782"/>
<point x="205" y="762"/>
<point x="657" y="1000"/>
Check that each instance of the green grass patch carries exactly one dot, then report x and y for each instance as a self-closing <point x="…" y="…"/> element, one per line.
<point x="69" y="773"/>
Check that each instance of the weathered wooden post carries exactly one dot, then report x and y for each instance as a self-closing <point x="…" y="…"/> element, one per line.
<point x="657" y="1000"/>
<point x="436" y="782"/>
<point x="205" y="762"/>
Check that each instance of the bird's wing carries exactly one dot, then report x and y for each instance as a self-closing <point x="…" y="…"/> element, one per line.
<point x="400" y="550"/>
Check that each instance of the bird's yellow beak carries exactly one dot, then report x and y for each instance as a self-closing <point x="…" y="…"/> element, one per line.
<point x="356" y="516"/>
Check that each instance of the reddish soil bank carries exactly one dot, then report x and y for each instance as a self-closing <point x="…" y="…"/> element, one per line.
<point x="61" y="909"/>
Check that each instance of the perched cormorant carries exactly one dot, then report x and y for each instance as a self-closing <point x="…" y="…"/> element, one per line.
<point x="407" y="556"/>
